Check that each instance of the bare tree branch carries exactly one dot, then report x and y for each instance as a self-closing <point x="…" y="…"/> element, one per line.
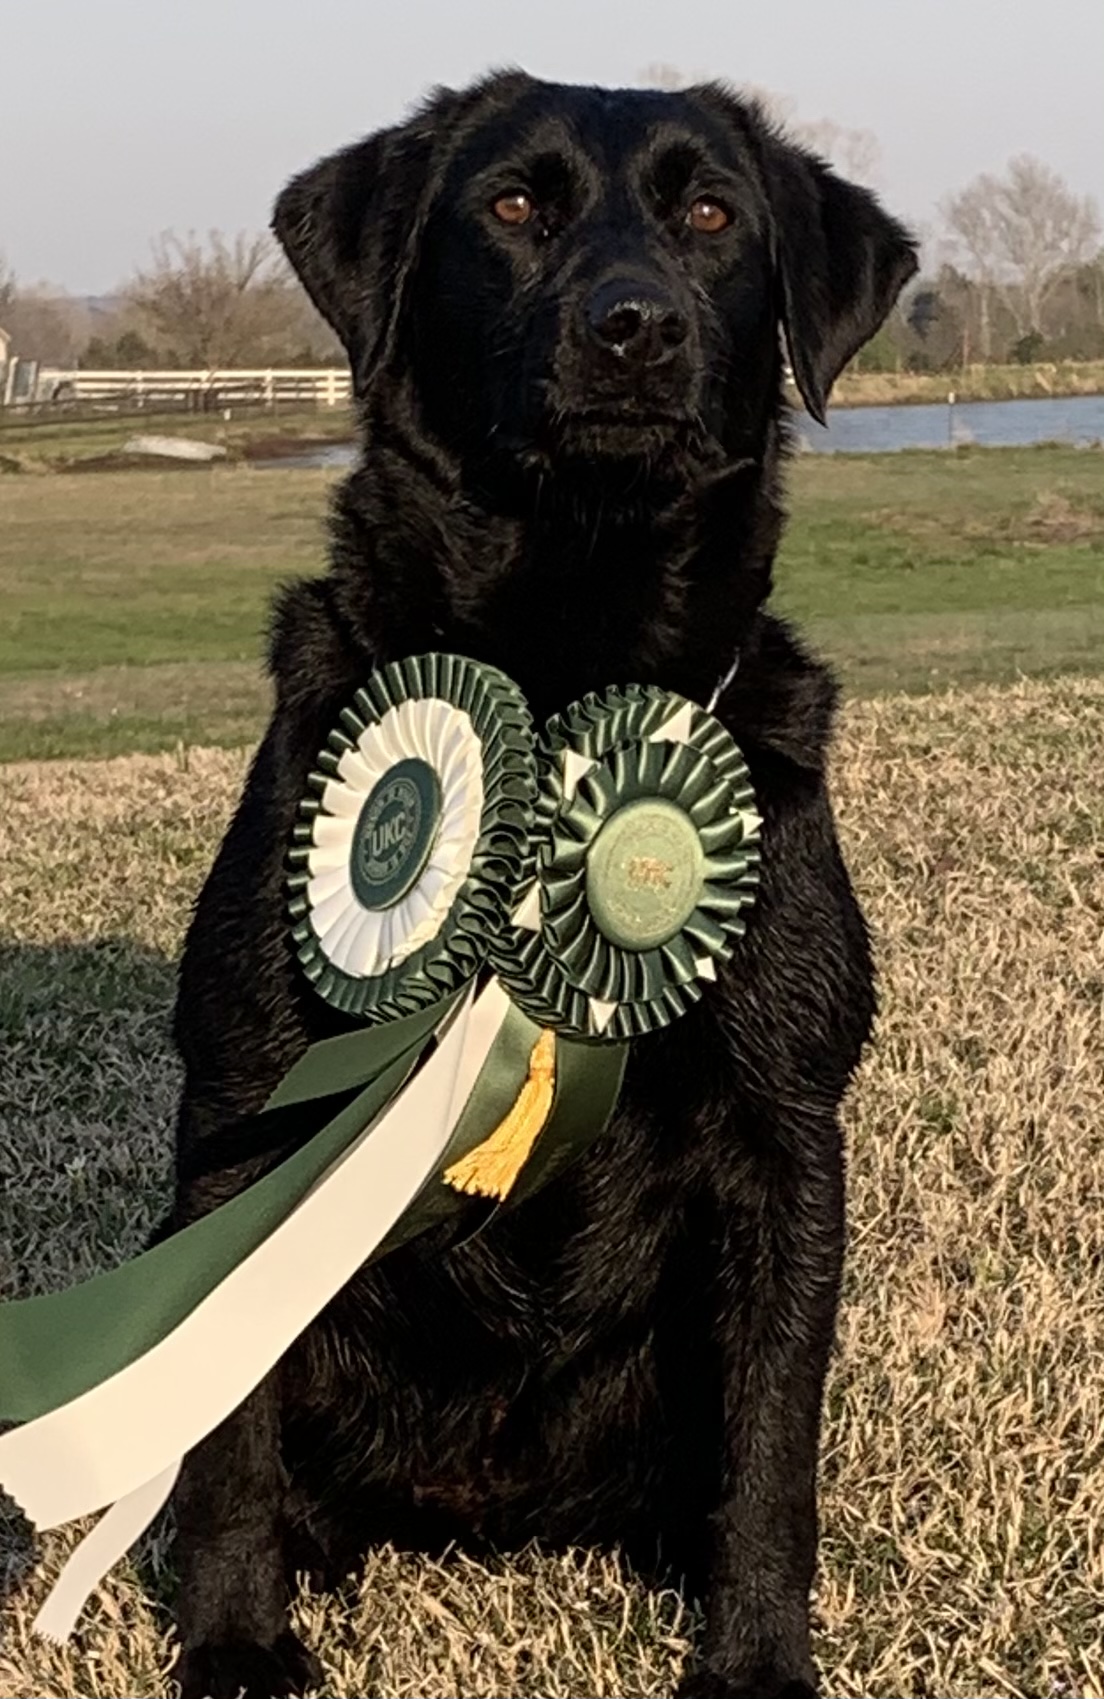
<point x="669" y="77"/>
<point x="854" y="153"/>
<point x="220" y="302"/>
<point x="44" y="323"/>
<point x="1022" y="233"/>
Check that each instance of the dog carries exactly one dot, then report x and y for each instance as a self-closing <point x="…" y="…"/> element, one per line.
<point x="568" y="313"/>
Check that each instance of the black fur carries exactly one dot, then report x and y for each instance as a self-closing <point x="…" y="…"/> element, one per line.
<point x="637" y="1355"/>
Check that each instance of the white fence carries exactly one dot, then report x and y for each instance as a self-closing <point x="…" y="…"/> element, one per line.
<point x="206" y="391"/>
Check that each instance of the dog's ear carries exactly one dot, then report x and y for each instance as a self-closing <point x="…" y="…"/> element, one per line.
<point x="839" y="259"/>
<point x="349" y="226"/>
<point x="841" y="262"/>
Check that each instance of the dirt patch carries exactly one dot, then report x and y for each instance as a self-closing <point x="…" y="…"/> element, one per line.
<point x="120" y="462"/>
<point x="262" y="452"/>
<point x="1057" y="517"/>
<point x="18" y="463"/>
<point x="281" y="448"/>
<point x="909" y="523"/>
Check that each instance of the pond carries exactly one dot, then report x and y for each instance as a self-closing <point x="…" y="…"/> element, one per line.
<point x="991" y="424"/>
<point x="879" y="430"/>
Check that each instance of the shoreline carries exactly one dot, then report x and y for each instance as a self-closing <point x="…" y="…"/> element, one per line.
<point x="1045" y="381"/>
<point x="60" y="444"/>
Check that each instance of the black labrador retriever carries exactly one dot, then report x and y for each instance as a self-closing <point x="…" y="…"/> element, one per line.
<point x="564" y="310"/>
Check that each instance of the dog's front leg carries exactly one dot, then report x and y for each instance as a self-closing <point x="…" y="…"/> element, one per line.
<point x="232" y="1602"/>
<point x="781" y="1250"/>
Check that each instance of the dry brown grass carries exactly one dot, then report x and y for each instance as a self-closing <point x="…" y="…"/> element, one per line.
<point x="963" y="1549"/>
<point x="1057" y="514"/>
<point x="974" y="383"/>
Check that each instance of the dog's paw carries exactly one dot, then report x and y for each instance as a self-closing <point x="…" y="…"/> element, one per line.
<point x="704" y="1683"/>
<point x="240" y="1669"/>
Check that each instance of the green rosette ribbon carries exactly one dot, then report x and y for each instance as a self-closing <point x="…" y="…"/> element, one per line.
<point x="647" y="858"/>
<point x="413" y="836"/>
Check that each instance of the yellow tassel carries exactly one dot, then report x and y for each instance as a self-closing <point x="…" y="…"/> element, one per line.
<point x="493" y="1166"/>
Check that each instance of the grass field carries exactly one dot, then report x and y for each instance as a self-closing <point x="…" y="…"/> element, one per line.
<point x="133" y="604"/>
<point x="963" y="1474"/>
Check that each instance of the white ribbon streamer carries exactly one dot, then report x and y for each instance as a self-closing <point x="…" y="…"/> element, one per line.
<point x="99" y="1551"/>
<point x="121" y="1442"/>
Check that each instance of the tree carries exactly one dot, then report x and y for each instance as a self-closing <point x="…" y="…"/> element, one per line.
<point x="1021" y="234"/>
<point x="669" y="77"/>
<point x="223" y="302"/>
<point x="936" y="315"/>
<point x="43" y="322"/>
<point x="126" y="352"/>
<point x="970" y="218"/>
<point x="854" y="153"/>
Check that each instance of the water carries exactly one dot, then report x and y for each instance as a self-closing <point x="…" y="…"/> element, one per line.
<point x="338" y="455"/>
<point x="881" y="430"/>
<point x="991" y="424"/>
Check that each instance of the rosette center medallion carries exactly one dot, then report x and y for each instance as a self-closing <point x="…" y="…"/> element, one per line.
<point x="395" y="833"/>
<point x="645" y="873"/>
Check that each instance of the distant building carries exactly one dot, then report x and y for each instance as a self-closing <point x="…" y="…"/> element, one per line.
<point x="5" y="345"/>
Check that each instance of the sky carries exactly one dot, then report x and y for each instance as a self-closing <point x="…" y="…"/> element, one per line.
<point x="123" y="118"/>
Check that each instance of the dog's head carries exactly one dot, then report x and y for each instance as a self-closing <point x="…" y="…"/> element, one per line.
<point x="573" y="271"/>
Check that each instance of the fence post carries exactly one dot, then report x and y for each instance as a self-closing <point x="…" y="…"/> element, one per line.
<point x="331" y="388"/>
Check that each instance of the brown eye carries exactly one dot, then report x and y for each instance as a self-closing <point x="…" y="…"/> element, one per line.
<point x="513" y="209"/>
<point x="708" y="216"/>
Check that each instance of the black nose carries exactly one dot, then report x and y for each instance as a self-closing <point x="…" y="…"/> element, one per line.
<point x="634" y="321"/>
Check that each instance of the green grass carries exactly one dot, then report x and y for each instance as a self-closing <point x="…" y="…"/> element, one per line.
<point x="116" y="710"/>
<point x="144" y="568"/>
<point x="133" y="604"/>
<point x="914" y="571"/>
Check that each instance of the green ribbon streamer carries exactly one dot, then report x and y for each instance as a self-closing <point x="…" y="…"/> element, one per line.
<point x="588" y="1084"/>
<point x="59" y="1345"/>
<point x="55" y="1347"/>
